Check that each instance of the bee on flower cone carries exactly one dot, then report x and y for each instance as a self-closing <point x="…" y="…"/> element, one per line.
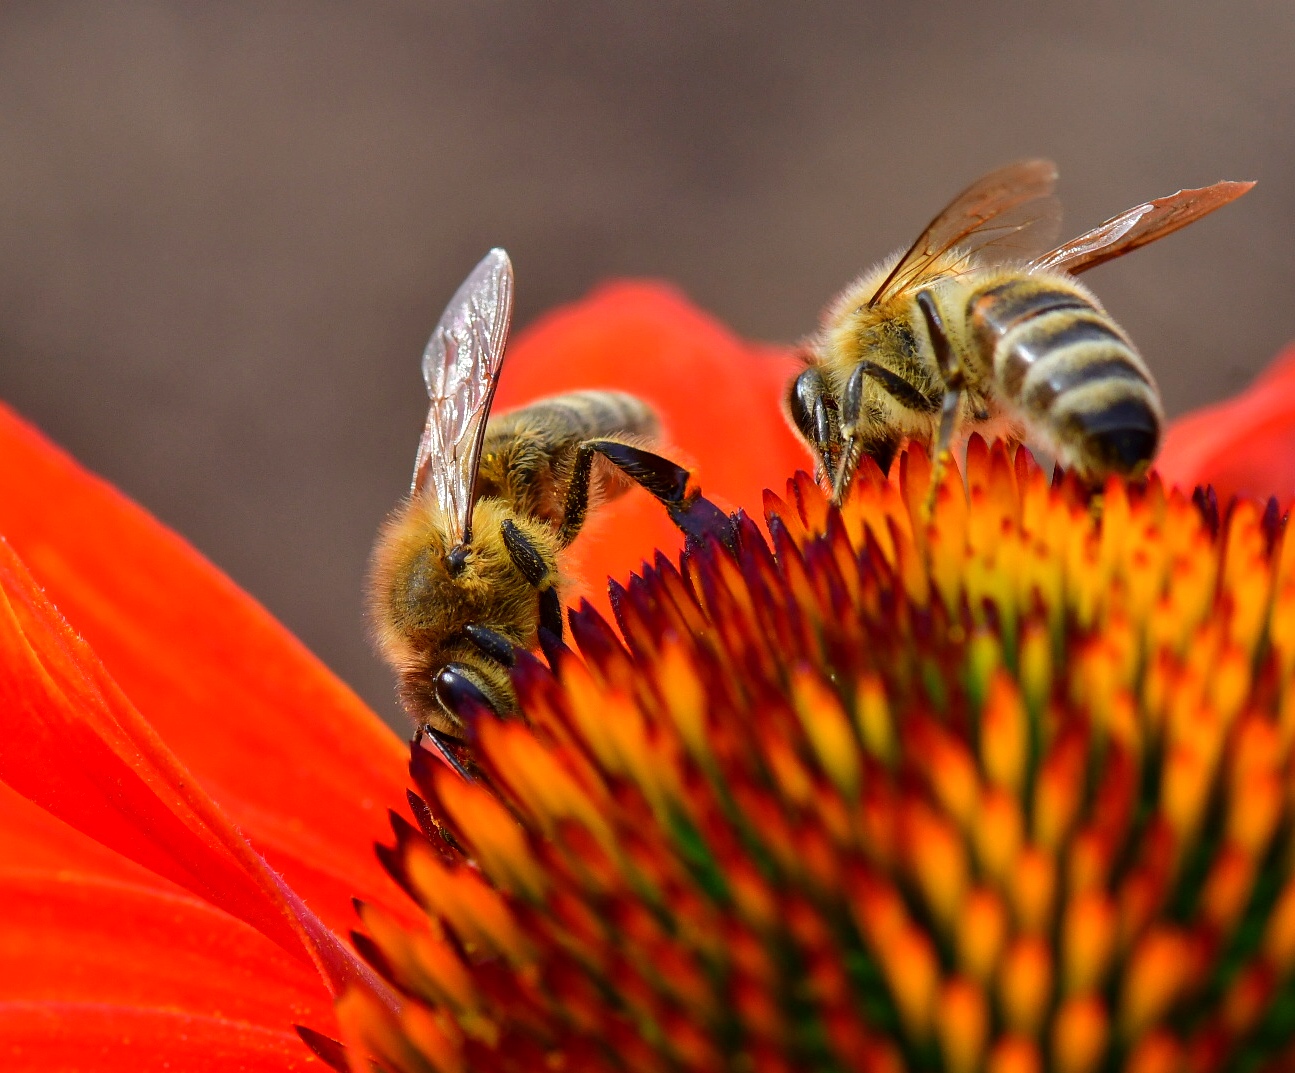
<point x="1008" y="791"/>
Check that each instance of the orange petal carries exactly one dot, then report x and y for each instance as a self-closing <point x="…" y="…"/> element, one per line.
<point x="1245" y="446"/>
<point x="89" y="1038"/>
<point x="297" y="760"/>
<point x="82" y="925"/>
<point x="75" y="746"/>
<point x="720" y="399"/>
<point x="74" y="939"/>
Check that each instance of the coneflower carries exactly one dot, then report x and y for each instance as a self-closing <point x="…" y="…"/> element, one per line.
<point x="1008" y="791"/>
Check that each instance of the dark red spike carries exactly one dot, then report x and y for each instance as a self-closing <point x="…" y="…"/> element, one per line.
<point x="726" y="609"/>
<point x="774" y="505"/>
<point x="594" y="637"/>
<point x="1273" y="523"/>
<point x="647" y="599"/>
<point x="421" y="767"/>
<point x="377" y="960"/>
<point x="1025" y="465"/>
<point x="618" y="596"/>
<point x="873" y="562"/>
<point x="674" y="593"/>
<point x="977" y="454"/>
<point x="686" y="564"/>
<point x="747" y="532"/>
<point x="392" y="858"/>
<point x="325" y="1048"/>
<point x="705" y="570"/>
<point x="552" y="646"/>
<point x="404" y="831"/>
<point x="512" y="1055"/>
<point x="867" y="472"/>
<point x="1225" y="519"/>
<point x="778" y="616"/>
<point x="647" y="618"/>
<point x="499" y="984"/>
<point x="424" y="817"/>
<point x="393" y="863"/>
<point x="1207" y="502"/>
<point x="796" y="497"/>
<point x="823" y="569"/>
<point x="635" y="615"/>
<point x="531" y="678"/>
<point x="783" y="544"/>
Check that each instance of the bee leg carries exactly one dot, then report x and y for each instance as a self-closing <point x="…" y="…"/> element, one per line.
<point x="525" y="555"/>
<point x="863" y="431"/>
<point x="954" y="382"/>
<point x="444" y="747"/>
<point x="668" y="481"/>
<point x="814" y="413"/>
<point x="530" y="562"/>
<point x="492" y="644"/>
<point x="551" y="612"/>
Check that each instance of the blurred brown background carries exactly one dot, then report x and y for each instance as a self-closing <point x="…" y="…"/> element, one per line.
<point x="226" y="229"/>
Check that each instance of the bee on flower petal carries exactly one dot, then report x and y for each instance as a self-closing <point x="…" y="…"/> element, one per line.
<point x="969" y="328"/>
<point x="468" y="568"/>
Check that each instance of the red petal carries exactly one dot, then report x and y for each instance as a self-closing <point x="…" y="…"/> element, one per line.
<point x="67" y="938"/>
<point x="1245" y="446"/>
<point x="32" y="840"/>
<point x="81" y="924"/>
<point x="299" y="762"/>
<point x="84" y="1038"/>
<point x="74" y="745"/>
<point x="720" y="399"/>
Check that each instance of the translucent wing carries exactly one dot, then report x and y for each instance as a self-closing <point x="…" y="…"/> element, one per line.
<point x="1138" y="226"/>
<point x="461" y="368"/>
<point x="1008" y="210"/>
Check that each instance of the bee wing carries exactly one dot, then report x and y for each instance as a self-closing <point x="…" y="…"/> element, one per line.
<point x="461" y="367"/>
<point x="1001" y="211"/>
<point x="1139" y="225"/>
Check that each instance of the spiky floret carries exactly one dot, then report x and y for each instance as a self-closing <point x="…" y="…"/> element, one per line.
<point x="1011" y="791"/>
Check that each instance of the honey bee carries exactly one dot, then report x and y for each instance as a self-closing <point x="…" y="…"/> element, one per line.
<point x="967" y="329"/>
<point x="468" y="568"/>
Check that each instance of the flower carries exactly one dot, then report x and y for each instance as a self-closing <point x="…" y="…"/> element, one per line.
<point x="1013" y="788"/>
<point x="1011" y="791"/>
<point x="1245" y="446"/>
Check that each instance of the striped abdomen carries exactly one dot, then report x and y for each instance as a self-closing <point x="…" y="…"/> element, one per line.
<point x="1070" y="372"/>
<point x="578" y="415"/>
<point x="528" y="454"/>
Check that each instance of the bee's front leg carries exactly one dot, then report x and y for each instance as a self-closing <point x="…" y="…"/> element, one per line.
<point x="814" y="412"/>
<point x="955" y="382"/>
<point x="492" y="643"/>
<point x="670" y="483"/>
<point x="527" y="558"/>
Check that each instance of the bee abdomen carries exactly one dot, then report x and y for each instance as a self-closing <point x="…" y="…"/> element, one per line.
<point x="582" y="415"/>
<point x="1072" y="373"/>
